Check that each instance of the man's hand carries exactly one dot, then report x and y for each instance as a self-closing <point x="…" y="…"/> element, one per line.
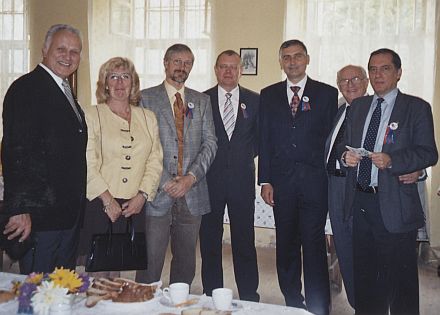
<point x="381" y="160"/>
<point x="179" y="186"/>
<point x="352" y="159"/>
<point x="410" y="178"/>
<point x="267" y="194"/>
<point x="19" y="224"/>
<point x="133" y="206"/>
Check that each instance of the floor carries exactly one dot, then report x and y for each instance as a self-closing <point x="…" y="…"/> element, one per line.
<point x="270" y="292"/>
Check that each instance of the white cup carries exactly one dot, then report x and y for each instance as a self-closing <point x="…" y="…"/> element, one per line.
<point x="177" y="292"/>
<point x="222" y="298"/>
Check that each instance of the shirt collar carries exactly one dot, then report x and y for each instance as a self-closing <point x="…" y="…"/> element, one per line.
<point x="301" y="83"/>
<point x="389" y="98"/>
<point x="234" y="91"/>
<point x="57" y="79"/>
<point x="171" y="90"/>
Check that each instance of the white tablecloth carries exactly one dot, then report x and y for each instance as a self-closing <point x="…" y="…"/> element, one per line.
<point x="150" y="307"/>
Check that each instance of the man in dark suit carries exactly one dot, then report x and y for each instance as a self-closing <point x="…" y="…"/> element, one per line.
<point x="231" y="180"/>
<point x="43" y="156"/>
<point x="189" y="145"/>
<point x="353" y="83"/>
<point x="296" y="116"/>
<point x="398" y="129"/>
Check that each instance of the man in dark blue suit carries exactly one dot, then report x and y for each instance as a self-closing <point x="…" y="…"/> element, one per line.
<point x="296" y="116"/>
<point x="398" y="131"/>
<point x="44" y="156"/>
<point x="231" y="180"/>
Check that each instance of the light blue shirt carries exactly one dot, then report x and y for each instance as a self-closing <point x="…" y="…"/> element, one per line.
<point x="386" y="110"/>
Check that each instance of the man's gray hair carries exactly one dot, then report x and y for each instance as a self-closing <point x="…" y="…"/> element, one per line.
<point x="360" y="68"/>
<point x="60" y="27"/>
<point x="177" y="48"/>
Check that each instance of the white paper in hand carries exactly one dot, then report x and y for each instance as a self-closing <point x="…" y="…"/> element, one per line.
<point x="361" y="151"/>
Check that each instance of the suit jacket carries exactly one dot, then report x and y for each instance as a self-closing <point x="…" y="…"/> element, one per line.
<point x="234" y="166"/>
<point x="413" y="149"/>
<point x="328" y="143"/>
<point x="43" y="153"/>
<point x="287" y="143"/>
<point x="199" y="148"/>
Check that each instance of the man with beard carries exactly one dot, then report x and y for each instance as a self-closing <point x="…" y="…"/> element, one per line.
<point x="189" y="146"/>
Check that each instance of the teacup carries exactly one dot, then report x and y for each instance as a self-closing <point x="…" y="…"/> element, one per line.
<point x="177" y="292"/>
<point x="222" y="298"/>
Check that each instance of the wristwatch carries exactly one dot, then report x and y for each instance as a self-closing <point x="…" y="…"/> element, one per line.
<point x="144" y="194"/>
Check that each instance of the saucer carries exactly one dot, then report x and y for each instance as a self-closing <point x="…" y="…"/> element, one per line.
<point x="166" y="302"/>
<point x="235" y="306"/>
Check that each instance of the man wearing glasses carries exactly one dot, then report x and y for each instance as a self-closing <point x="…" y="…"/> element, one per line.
<point x="352" y="83"/>
<point x="296" y="117"/>
<point x="189" y="146"/>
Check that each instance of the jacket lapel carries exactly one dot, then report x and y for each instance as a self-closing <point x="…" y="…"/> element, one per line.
<point x="166" y="109"/>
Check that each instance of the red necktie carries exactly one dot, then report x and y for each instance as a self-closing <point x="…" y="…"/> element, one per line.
<point x="295" y="100"/>
<point x="179" y="119"/>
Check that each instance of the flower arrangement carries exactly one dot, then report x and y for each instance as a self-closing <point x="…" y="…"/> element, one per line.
<point x="39" y="291"/>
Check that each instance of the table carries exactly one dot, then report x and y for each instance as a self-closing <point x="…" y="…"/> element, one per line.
<point x="149" y="307"/>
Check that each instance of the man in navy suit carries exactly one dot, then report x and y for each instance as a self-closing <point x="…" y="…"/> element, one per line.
<point x="296" y="116"/>
<point x="386" y="210"/>
<point x="44" y="156"/>
<point x="231" y="180"/>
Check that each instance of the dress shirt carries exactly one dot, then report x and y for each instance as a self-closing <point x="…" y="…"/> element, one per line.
<point x="301" y="84"/>
<point x="235" y="99"/>
<point x="58" y="80"/>
<point x="335" y="134"/>
<point x="387" y="108"/>
<point x="171" y="92"/>
<point x="122" y="158"/>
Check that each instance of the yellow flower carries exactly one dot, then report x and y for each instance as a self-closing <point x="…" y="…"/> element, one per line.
<point x="35" y="278"/>
<point x="66" y="278"/>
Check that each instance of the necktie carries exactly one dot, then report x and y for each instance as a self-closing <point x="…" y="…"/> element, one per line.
<point x="364" y="173"/>
<point x="179" y="120"/>
<point x="228" y="116"/>
<point x="331" y="164"/>
<point x="294" y="103"/>
<point x="69" y="96"/>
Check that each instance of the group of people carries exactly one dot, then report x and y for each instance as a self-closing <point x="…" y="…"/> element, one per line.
<point x="171" y="159"/>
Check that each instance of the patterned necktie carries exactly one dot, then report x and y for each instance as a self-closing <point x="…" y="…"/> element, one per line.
<point x="69" y="96"/>
<point x="179" y="120"/>
<point x="294" y="103"/>
<point x="364" y="173"/>
<point x="331" y="165"/>
<point x="228" y="116"/>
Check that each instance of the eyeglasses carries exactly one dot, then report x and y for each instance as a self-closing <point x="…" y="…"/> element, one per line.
<point x="121" y="76"/>
<point x="383" y="69"/>
<point x="180" y="62"/>
<point x="295" y="57"/>
<point x="354" y="81"/>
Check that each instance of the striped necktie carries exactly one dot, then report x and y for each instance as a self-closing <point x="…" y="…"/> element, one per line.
<point x="69" y="96"/>
<point x="228" y="116"/>
<point x="295" y="99"/>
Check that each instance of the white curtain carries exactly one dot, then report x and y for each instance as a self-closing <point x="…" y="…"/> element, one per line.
<point x="341" y="32"/>
<point x="143" y="29"/>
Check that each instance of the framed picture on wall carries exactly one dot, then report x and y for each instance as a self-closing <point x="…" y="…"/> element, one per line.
<point x="249" y="59"/>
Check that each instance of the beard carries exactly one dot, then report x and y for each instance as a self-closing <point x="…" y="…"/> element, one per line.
<point x="179" y="76"/>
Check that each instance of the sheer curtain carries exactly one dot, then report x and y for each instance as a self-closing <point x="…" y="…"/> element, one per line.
<point x="14" y="42"/>
<point x="143" y="29"/>
<point x="341" y="32"/>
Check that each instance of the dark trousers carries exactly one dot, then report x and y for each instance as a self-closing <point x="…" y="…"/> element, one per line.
<point x="52" y="249"/>
<point x="385" y="264"/>
<point x="300" y="213"/>
<point x="241" y="215"/>
<point x="342" y="233"/>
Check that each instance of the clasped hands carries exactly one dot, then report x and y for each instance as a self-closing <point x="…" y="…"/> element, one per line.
<point x="127" y="209"/>
<point x="381" y="161"/>
<point x="179" y="186"/>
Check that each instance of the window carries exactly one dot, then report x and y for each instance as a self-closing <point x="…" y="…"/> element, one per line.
<point x="143" y="29"/>
<point x="341" y="32"/>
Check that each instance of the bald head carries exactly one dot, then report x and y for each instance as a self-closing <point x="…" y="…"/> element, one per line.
<point x="352" y="82"/>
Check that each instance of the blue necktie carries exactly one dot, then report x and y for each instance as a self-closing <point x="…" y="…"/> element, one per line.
<point x="364" y="174"/>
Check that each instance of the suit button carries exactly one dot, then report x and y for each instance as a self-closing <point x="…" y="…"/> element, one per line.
<point x="127" y="157"/>
<point x="80" y="130"/>
<point x="175" y="157"/>
<point x="174" y="174"/>
<point x="294" y="145"/>
<point x="124" y="180"/>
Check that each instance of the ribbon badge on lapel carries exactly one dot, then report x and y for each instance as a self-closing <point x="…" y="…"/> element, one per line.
<point x="189" y="110"/>
<point x="305" y="104"/>
<point x="389" y="134"/>
<point x="244" y="110"/>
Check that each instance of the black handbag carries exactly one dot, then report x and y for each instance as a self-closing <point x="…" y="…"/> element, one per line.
<point x="117" y="251"/>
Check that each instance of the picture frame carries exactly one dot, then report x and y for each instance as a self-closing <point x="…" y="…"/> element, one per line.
<point x="249" y="59"/>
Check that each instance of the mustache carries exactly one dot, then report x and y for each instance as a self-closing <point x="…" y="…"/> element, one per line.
<point x="180" y="71"/>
